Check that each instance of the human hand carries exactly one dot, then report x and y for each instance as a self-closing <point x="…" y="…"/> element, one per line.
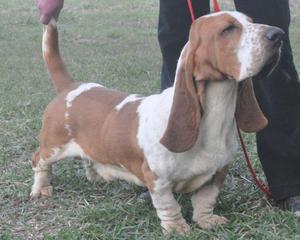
<point x="49" y="9"/>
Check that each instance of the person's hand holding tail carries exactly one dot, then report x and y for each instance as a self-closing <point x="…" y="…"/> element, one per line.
<point x="49" y="9"/>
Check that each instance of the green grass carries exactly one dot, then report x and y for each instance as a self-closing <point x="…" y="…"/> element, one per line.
<point x="112" y="42"/>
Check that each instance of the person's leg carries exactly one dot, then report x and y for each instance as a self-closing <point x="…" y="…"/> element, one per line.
<point x="173" y="29"/>
<point x="279" y="97"/>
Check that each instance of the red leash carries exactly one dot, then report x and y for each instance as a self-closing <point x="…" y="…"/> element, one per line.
<point x="216" y="6"/>
<point x="262" y="186"/>
<point x="190" y="5"/>
<point x="189" y="2"/>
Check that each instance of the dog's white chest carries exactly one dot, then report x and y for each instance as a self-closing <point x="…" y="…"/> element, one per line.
<point x="213" y="150"/>
<point x="216" y="143"/>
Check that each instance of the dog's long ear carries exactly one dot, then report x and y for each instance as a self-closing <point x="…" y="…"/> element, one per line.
<point x="249" y="116"/>
<point x="183" y="124"/>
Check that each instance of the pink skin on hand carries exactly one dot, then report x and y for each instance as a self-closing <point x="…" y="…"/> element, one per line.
<point x="49" y="9"/>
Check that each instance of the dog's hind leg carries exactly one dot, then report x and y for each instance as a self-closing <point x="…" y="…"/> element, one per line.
<point x="44" y="158"/>
<point x="42" y="162"/>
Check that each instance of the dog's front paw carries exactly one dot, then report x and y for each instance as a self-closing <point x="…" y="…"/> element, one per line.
<point x="209" y="221"/>
<point x="43" y="191"/>
<point x="179" y="226"/>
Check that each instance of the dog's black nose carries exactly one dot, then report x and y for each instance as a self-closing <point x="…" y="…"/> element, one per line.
<point x="274" y="34"/>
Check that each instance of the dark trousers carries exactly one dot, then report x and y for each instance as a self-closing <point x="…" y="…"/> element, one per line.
<point x="278" y="95"/>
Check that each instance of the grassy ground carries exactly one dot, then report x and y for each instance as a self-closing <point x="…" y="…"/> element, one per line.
<point x="114" y="43"/>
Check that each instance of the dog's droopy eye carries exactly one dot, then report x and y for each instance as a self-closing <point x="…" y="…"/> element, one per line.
<point x="229" y="29"/>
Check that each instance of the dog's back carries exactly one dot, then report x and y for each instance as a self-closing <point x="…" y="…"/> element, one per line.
<point x="88" y="120"/>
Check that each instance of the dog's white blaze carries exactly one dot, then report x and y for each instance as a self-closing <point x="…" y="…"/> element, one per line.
<point x="245" y="50"/>
<point x="248" y="46"/>
<point x="128" y="99"/>
<point x="71" y="96"/>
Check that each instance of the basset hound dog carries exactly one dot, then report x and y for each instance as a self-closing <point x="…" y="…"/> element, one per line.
<point x="180" y="140"/>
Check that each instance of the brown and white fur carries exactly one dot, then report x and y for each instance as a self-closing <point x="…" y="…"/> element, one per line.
<point x="180" y="140"/>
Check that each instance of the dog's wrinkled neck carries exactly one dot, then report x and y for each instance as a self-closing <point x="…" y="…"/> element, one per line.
<point x="221" y="97"/>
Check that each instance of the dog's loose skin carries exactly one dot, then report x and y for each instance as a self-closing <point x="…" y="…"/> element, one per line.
<point x="180" y="140"/>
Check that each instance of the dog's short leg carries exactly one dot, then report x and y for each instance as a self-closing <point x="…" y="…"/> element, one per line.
<point x="42" y="176"/>
<point x="204" y="199"/>
<point x="169" y="211"/>
<point x="42" y="162"/>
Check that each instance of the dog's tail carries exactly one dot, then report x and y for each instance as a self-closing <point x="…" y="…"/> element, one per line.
<point x="58" y="72"/>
